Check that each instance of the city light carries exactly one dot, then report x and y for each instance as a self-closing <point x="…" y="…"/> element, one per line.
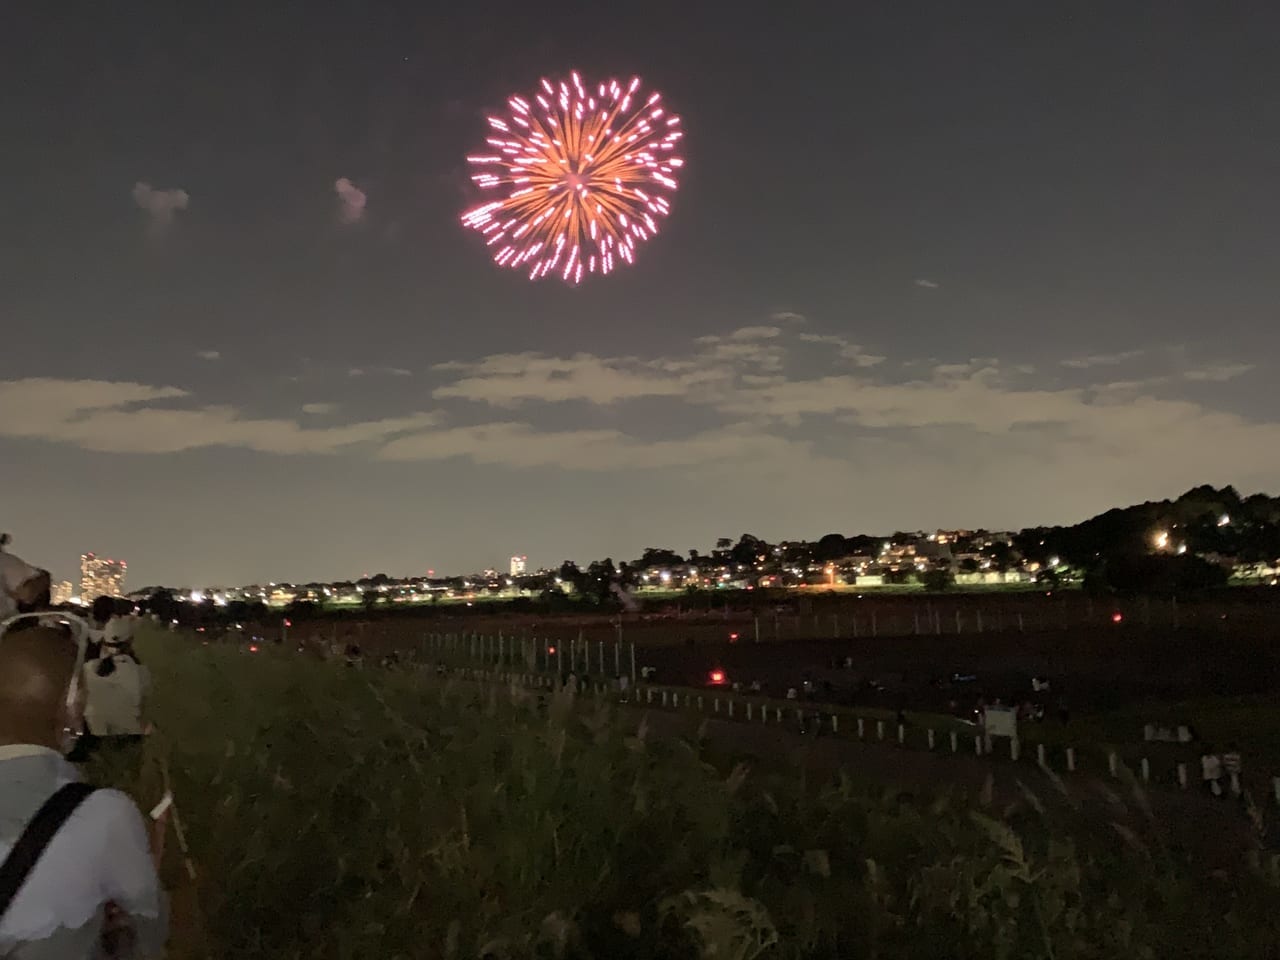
<point x="101" y="577"/>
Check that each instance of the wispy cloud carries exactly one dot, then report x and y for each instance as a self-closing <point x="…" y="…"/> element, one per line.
<point x="927" y="284"/>
<point x="351" y="200"/>
<point x="796" y="411"/>
<point x="1102" y="359"/>
<point x="845" y="349"/>
<point x="506" y="380"/>
<point x="160" y="205"/>
<point x="1218" y="373"/>
<point x="122" y="417"/>
<point x="514" y="444"/>
<point x="209" y="355"/>
<point x="379" y="371"/>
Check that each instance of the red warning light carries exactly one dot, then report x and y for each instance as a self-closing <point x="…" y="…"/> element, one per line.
<point x="253" y="648"/>
<point x="717" y="676"/>
<point x="733" y="638"/>
<point x="1117" y="617"/>
<point x="551" y="651"/>
<point x="288" y="622"/>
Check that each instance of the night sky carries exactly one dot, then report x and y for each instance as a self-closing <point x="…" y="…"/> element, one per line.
<point x="943" y="264"/>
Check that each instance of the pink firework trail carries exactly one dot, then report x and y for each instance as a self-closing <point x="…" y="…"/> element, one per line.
<point x="585" y="175"/>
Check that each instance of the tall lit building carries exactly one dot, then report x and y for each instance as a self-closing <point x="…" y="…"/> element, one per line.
<point x="518" y="565"/>
<point x="100" y="577"/>
<point x="61" y="593"/>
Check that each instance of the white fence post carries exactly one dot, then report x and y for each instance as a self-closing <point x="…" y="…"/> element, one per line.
<point x="716" y="704"/>
<point x="835" y="723"/>
<point x="1146" y="770"/>
<point x="1275" y="788"/>
<point x="902" y="734"/>
<point x="977" y="746"/>
<point x="931" y="738"/>
<point x="1071" y="759"/>
<point x="1182" y="775"/>
<point x="1111" y="765"/>
<point x="955" y="742"/>
<point x="879" y="729"/>
<point x="1013" y="748"/>
<point x="1040" y="754"/>
<point x="748" y="710"/>
<point x="862" y="733"/>
<point x="730" y="709"/>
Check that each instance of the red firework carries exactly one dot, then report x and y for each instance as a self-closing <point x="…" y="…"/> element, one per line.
<point x="585" y="176"/>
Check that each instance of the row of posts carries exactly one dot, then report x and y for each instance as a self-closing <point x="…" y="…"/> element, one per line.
<point x="931" y="620"/>
<point x="982" y="745"/>
<point x="546" y="656"/>
<point x="550" y="657"/>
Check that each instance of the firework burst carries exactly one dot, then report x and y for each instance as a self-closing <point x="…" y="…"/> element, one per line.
<point x="586" y="176"/>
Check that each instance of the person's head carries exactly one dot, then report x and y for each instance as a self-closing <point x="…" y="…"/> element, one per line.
<point x="33" y="594"/>
<point x="38" y="701"/>
<point x="104" y="608"/>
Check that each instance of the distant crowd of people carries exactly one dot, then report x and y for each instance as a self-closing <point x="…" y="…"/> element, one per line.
<point x="79" y="865"/>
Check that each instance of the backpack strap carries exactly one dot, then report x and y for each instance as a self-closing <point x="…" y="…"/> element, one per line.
<point x="36" y="837"/>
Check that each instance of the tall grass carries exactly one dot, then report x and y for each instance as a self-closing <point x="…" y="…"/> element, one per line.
<point x="340" y="814"/>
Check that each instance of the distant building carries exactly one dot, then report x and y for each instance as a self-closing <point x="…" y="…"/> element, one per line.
<point x="61" y="592"/>
<point x="101" y="577"/>
<point x="518" y="566"/>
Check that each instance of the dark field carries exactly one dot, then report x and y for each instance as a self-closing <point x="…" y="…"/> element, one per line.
<point x="905" y="651"/>
<point x="1212" y="664"/>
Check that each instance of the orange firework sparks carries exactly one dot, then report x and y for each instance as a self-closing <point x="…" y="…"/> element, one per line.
<point x="586" y="176"/>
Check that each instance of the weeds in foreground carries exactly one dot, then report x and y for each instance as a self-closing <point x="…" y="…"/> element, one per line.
<point x="347" y="815"/>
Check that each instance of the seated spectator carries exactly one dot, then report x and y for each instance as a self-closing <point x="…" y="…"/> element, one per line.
<point x="91" y="889"/>
<point x="117" y="684"/>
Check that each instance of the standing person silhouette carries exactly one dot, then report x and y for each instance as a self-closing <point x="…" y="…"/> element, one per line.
<point x="78" y="877"/>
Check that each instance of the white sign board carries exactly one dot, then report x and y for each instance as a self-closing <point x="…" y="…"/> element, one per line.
<point x="1001" y="722"/>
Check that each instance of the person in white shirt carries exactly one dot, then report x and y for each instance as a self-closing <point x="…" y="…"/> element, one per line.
<point x="117" y="684"/>
<point x="22" y="586"/>
<point x="1211" y="772"/>
<point x="93" y="889"/>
